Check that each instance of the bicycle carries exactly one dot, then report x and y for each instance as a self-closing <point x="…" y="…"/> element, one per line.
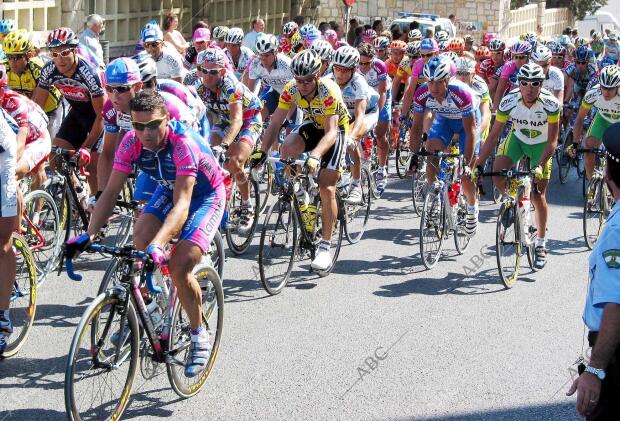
<point x="370" y="161"/>
<point x="403" y="152"/>
<point x="111" y="338"/>
<point x="419" y="186"/>
<point x="564" y="161"/>
<point x="355" y="215"/>
<point x="294" y="234"/>
<point x="515" y="212"/>
<point x="23" y="300"/>
<point x="598" y="201"/>
<point x="444" y="210"/>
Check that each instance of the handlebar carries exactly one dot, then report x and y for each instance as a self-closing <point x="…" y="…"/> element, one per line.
<point x="286" y="161"/>
<point x="508" y="173"/>
<point x="128" y="252"/>
<point x="71" y="156"/>
<point x="595" y="151"/>
<point x="439" y="154"/>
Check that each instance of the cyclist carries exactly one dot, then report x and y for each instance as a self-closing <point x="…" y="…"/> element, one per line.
<point x="188" y="204"/>
<point x="381" y="45"/>
<point x="362" y="104"/>
<point x="466" y="73"/>
<point x="369" y="36"/>
<point x="428" y="50"/>
<point x="323" y="135"/>
<point x="397" y="52"/>
<point x="79" y="83"/>
<point x="403" y="73"/>
<point x="606" y="98"/>
<point x="507" y="81"/>
<point x="325" y="52"/>
<point x="456" y="108"/>
<point x="309" y="33"/>
<point x="554" y="79"/>
<point x="375" y="72"/>
<point x="219" y="37"/>
<point x="414" y="35"/>
<point x="457" y="45"/>
<point x="612" y="48"/>
<point x="200" y="42"/>
<point x="489" y="68"/>
<point x="24" y="73"/>
<point x="535" y="115"/>
<point x="8" y="221"/>
<point x="239" y="126"/>
<point x="597" y="45"/>
<point x="237" y="54"/>
<point x="558" y="56"/>
<point x="578" y="75"/>
<point x="169" y="64"/>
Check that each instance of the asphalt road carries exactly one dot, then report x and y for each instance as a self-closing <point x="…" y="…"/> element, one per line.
<point x="380" y="338"/>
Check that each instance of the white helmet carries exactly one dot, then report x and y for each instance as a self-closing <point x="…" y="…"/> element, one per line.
<point x="531" y="71"/>
<point x="266" y="43"/>
<point x="541" y="53"/>
<point x="438" y="68"/>
<point x="220" y="32"/>
<point x="234" y="36"/>
<point x="415" y="34"/>
<point x="610" y="76"/>
<point x="347" y="57"/>
<point x="442" y="35"/>
<point x="323" y="49"/>
<point x="306" y="63"/>
<point x="289" y="28"/>
<point x="450" y="55"/>
<point x="465" y="64"/>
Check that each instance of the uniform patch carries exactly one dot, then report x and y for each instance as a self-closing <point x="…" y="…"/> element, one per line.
<point x="612" y="258"/>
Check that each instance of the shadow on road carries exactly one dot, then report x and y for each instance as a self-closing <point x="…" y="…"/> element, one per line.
<point x="555" y="411"/>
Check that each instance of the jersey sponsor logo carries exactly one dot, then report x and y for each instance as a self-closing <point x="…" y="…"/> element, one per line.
<point x="329" y="101"/>
<point x="532" y="134"/>
<point x="612" y="258"/>
<point x="526" y="122"/>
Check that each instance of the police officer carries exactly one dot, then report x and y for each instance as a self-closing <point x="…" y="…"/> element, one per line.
<point x="598" y="387"/>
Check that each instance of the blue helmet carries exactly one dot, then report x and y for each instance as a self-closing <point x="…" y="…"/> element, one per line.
<point x="122" y="71"/>
<point x="582" y="53"/>
<point x="7" y="25"/>
<point x="429" y="44"/>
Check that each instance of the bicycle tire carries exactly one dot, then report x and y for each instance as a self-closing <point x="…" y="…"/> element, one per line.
<point x="418" y="191"/>
<point x="353" y="236"/>
<point x="239" y="243"/>
<point x="23" y="299"/>
<point x="593" y="206"/>
<point x="564" y="161"/>
<point x="402" y="161"/>
<point x="267" y="183"/>
<point x="461" y="238"/>
<point x="216" y="254"/>
<point x="338" y="231"/>
<point x="432" y="222"/>
<point x="267" y="242"/>
<point x="130" y="341"/>
<point x="508" y="276"/>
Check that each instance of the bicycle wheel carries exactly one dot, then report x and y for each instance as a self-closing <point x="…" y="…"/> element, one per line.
<point x="99" y="376"/>
<point x="356" y="216"/>
<point x="337" y="234"/>
<point x="215" y="255"/>
<point x="508" y="244"/>
<point x="374" y="191"/>
<point x="265" y="184"/>
<point x="564" y="161"/>
<point x="418" y="191"/>
<point x="402" y="160"/>
<point x="278" y="246"/>
<point x="238" y="242"/>
<point x="111" y="277"/>
<point x="432" y="226"/>
<point x="461" y="238"/>
<point x="23" y="300"/>
<point x="593" y="212"/>
<point x="56" y="188"/>
<point x="41" y="228"/>
<point x="180" y="335"/>
<point x="119" y="226"/>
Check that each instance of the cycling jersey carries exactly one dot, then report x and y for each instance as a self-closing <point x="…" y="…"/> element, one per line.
<point x="276" y="78"/>
<point x="417" y="71"/>
<point x="486" y="69"/>
<point x="607" y="112"/>
<point x="230" y="91"/>
<point x="186" y="94"/>
<point x="357" y="89"/>
<point x="581" y="79"/>
<point x="404" y="68"/>
<point x="529" y="125"/>
<point x="509" y="72"/>
<point x="460" y="101"/>
<point x="392" y="67"/>
<point x="555" y="80"/>
<point x="377" y="74"/>
<point x="481" y="89"/>
<point x="78" y="89"/>
<point x="169" y="65"/>
<point x="244" y="60"/>
<point x="8" y="163"/>
<point x="612" y="50"/>
<point x="326" y="102"/>
<point x="8" y="130"/>
<point x="25" y="83"/>
<point x="26" y="113"/>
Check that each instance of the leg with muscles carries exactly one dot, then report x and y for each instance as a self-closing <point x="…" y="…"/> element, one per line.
<point x="470" y="189"/>
<point x="329" y="212"/>
<point x="238" y="154"/>
<point x="539" y="200"/>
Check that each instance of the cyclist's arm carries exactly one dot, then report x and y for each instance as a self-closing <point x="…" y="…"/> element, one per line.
<point x="569" y="84"/>
<point x="106" y="158"/>
<point x="499" y="92"/>
<point x="106" y="202"/>
<point x="469" y="124"/>
<point x="491" y="141"/>
<point x="236" y="122"/>
<point x="492" y="86"/>
<point x="578" y="128"/>
<point x="416" y="131"/>
<point x="396" y="84"/>
<point x="552" y="141"/>
<point x="182" y="198"/>
<point x="275" y="123"/>
<point x="559" y="94"/>
<point x="407" y="97"/>
<point x="97" y="127"/>
<point x="22" y="136"/>
<point x="39" y="95"/>
<point x="329" y="138"/>
<point x="249" y="82"/>
<point x="382" y="90"/>
<point x="485" y="111"/>
<point x="360" y="112"/>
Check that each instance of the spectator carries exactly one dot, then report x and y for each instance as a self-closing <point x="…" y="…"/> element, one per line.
<point x="89" y="38"/>
<point x="353" y="25"/>
<point x="258" y="27"/>
<point x="332" y="24"/>
<point x="200" y="41"/>
<point x="377" y="25"/>
<point x="452" y="18"/>
<point x="299" y="20"/>
<point x="430" y="33"/>
<point x="324" y="26"/>
<point x="172" y="35"/>
<point x="339" y="28"/>
<point x="358" y="36"/>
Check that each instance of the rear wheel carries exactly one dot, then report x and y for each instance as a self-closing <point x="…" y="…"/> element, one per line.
<point x="432" y="226"/>
<point x="418" y="191"/>
<point x="593" y="212"/>
<point x="239" y="242"/>
<point x="356" y="216"/>
<point x="403" y="154"/>
<point x="461" y="238"/>
<point x="337" y="234"/>
<point x="564" y="161"/>
<point x="508" y="244"/>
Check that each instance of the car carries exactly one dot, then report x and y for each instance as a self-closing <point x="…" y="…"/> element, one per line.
<point x="426" y="21"/>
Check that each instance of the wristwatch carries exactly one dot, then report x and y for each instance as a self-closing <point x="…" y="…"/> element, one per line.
<point x="598" y="372"/>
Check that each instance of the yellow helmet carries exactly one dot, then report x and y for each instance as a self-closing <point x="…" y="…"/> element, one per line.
<point x="17" y="42"/>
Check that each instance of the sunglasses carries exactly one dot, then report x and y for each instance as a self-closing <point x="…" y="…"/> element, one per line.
<point x="151" y="44"/>
<point x="151" y="125"/>
<point x="581" y="62"/>
<point x="15" y="58"/>
<point x="519" y="57"/>
<point x="534" y="83"/>
<point x="341" y="69"/>
<point x="212" y="72"/>
<point x="462" y="73"/>
<point x="305" y="81"/>
<point x="380" y="50"/>
<point x="427" y="55"/>
<point x="118" y="89"/>
<point x="558" y="56"/>
<point x="63" y="53"/>
<point x="365" y="63"/>
<point x="497" y="52"/>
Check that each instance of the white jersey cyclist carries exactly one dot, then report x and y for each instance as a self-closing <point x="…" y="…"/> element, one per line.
<point x="609" y="110"/>
<point x="481" y="89"/>
<point x="170" y="66"/>
<point x="460" y="101"/>
<point x="555" y="80"/>
<point x="245" y="58"/>
<point x="276" y="78"/>
<point x="529" y="125"/>
<point x="356" y="89"/>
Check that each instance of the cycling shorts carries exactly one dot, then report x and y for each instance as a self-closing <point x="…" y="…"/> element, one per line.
<point x="8" y="183"/>
<point x="37" y="152"/>
<point x="249" y="133"/>
<point x="145" y="186"/>
<point x="386" y="112"/>
<point x="444" y="129"/>
<point x="514" y="149"/>
<point x="75" y="129"/>
<point x="204" y="217"/>
<point x="598" y="127"/>
<point x="270" y="100"/>
<point x="312" y="135"/>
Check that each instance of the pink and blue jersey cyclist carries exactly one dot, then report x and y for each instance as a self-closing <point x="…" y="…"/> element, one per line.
<point x="374" y="76"/>
<point x="185" y="153"/>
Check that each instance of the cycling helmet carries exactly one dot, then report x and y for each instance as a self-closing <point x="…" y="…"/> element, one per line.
<point x="429" y="44"/>
<point x="289" y="28"/>
<point x="266" y="43"/>
<point x="234" y="36"/>
<point x="468" y="39"/>
<point x="311" y="35"/>
<point x="347" y="57"/>
<point x="531" y="71"/>
<point x="220" y="32"/>
<point x="146" y="66"/>
<point x="413" y="48"/>
<point x="331" y="35"/>
<point x="443" y="45"/>
<point x="456" y="44"/>
<point x="613" y="35"/>
<point x="557" y="49"/>
<point x="488" y="37"/>
<point x="398" y="45"/>
<point x="4" y="79"/>
<point x="442" y="35"/>
<point x="438" y="68"/>
<point x="323" y="49"/>
<point x="152" y="35"/>
<point x="7" y="25"/>
<point x="211" y="56"/>
<point x="482" y="53"/>
<point x="122" y="71"/>
<point x="61" y="37"/>
<point x="386" y="34"/>
<point x="16" y="42"/>
<point x="607" y="61"/>
<point x="564" y="40"/>
<point x="521" y="47"/>
<point x="541" y="53"/>
<point x="522" y="36"/>
<point x="610" y="76"/>
<point x="497" y="45"/>
<point x="369" y="35"/>
<point x="306" y="28"/>
<point x="382" y="43"/>
<point x="582" y="53"/>
<point x="450" y="55"/>
<point x="581" y="41"/>
<point x="306" y="63"/>
<point x="531" y="38"/>
<point x="465" y="64"/>
<point x="596" y="36"/>
<point x="414" y="35"/>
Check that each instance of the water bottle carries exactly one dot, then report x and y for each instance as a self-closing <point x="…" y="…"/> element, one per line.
<point x="453" y="193"/>
<point x="311" y="217"/>
<point x="279" y="170"/>
<point x="367" y="147"/>
<point x="154" y="311"/>
<point x="303" y="198"/>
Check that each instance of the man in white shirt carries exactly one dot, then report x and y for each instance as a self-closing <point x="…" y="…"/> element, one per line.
<point x="169" y="63"/>
<point x="258" y="26"/>
<point x="89" y="37"/>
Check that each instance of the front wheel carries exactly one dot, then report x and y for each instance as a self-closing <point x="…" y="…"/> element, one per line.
<point x="593" y="212"/>
<point x="461" y="238"/>
<point x="432" y="227"/>
<point x="356" y="216"/>
<point x="403" y="154"/>
<point x="508" y="244"/>
<point x="418" y="191"/>
<point x="337" y="234"/>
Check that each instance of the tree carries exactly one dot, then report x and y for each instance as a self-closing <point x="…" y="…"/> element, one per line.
<point x="580" y="8"/>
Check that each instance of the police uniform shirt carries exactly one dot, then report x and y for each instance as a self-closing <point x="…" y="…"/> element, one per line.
<point x="604" y="272"/>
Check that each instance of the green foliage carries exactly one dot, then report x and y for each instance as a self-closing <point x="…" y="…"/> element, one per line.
<point x="580" y="8"/>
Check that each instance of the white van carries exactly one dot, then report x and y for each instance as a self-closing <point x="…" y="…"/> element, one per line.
<point x="426" y="21"/>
